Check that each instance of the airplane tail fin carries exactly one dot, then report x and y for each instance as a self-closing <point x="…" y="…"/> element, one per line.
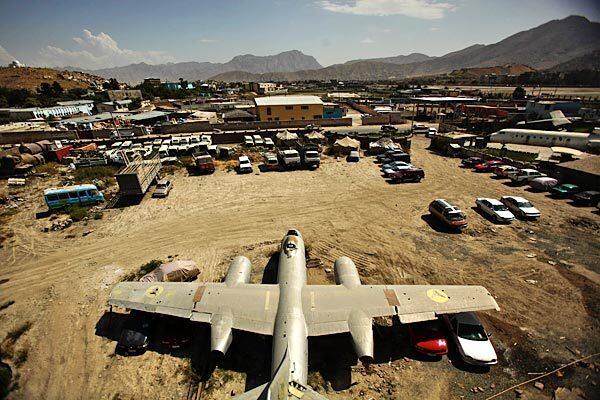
<point x="280" y="388"/>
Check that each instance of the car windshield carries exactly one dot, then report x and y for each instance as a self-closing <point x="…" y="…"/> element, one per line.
<point x="472" y="332"/>
<point x="161" y="186"/>
<point x="525" y="204"/>
<point x="455" y="216"/>
<point x="499" y="207"/>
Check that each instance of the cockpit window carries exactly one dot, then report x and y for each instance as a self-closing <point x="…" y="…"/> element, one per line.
<point x="293" y="232"/>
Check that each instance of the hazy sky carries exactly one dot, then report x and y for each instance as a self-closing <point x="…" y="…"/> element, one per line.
<point x="95" y="34"/>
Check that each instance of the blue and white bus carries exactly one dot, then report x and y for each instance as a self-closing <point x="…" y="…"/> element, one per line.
<point x="57" y="198"/>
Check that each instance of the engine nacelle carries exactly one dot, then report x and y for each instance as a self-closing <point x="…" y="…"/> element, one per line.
<point x="221" y="335"/>
<point x="346" y="273"/>
<point x="361" y="330"/>
<point x="239" y="271"/>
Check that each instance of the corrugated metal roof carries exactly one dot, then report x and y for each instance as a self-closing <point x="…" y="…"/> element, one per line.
<point x="287" y="100"/>
<point x="146" y="115"/>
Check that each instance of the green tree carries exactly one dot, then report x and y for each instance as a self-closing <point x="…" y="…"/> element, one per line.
<point x="519" y="93"/>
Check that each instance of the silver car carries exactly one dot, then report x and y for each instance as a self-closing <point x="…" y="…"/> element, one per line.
<point x="521" y="207"/>
<point x="163" y="187"/>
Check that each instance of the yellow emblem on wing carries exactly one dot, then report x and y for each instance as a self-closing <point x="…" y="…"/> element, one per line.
<point x="437" y="295"/>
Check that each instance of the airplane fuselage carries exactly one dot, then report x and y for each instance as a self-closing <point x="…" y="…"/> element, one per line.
<point x="290" y="333"/>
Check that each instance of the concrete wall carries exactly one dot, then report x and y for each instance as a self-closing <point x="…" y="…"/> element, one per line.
<point x="34" y="136"/>
<point x="380" y="119"/>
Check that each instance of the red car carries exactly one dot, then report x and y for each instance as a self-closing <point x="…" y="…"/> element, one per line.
<point x="428" y="338"/>
<point x="488" y="166"/>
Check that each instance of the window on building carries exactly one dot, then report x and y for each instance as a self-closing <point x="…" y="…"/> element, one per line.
<point x="291" y="119"/>
<point x="289" y="107"/>
<point x="316" y="117"/>
<point x="304" y="107"/>
<point x="268" y="110"/>
<point x="269" y="119"/>
<point x="303" y="118"/>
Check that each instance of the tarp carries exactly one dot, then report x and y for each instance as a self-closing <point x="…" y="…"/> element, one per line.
<point x="287" y="135"/>
<point x="314" y="135"/>
<point x="174" y="271"/>
<point x="347" y="143"/>
<point x="88" y="147"/>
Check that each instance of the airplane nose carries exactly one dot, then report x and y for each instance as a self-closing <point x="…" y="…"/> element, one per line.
<point x="293" y="232"/>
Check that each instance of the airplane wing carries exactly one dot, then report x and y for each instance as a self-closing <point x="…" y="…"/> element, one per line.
<point x="252" y="307"/>
<point x="327" y="308"/>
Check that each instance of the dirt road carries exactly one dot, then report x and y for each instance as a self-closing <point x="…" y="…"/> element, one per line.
<point x="61" y="284"/>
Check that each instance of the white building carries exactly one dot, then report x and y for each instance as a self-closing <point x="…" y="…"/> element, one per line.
<point x="61" y="110"/>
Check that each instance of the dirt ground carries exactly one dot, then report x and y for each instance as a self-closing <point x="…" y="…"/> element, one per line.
<point x="545" y="276"/>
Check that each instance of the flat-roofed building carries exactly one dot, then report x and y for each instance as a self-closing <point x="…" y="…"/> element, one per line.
<point x="289" y="108"/>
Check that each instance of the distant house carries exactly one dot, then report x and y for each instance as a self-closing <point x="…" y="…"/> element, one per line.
<point x="176" y="86"/>
<point x="113" y="106"/>
<point x="289" y="108"/>
<point x="268" y="88"/>
<point x="542" y="109"/>
<point x="332" y="110"/>
<point x="152" y="81"/>
<point x="63" y="109"/>
<point x="124" y="94"/>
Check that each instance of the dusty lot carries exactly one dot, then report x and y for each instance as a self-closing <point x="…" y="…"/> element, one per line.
<point x="60" y="280"/>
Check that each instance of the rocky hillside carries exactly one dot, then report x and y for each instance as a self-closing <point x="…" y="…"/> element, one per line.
<point x="31" y="78"/>
<point x="542" y="47"/>
<point x="589" y="61"/>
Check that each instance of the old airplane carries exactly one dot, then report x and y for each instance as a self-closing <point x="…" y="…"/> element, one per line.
<point x="291" y="310"/>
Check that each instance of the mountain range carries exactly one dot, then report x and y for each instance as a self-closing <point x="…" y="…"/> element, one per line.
<point x="554" y="43"/>
<point x="288" y="61"/>
<point x="543" y="47"/>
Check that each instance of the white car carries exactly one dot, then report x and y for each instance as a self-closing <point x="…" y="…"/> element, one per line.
<point x="495" y="209"/>
<point x="521" y="207"/>
<point x="269" y="142"/>
<point x="244" y="165"/>
<point x="248" y="141"/>
<point x="258" y="141"/>
<point x="471" y="339"/>
<point x="525" y="175"/>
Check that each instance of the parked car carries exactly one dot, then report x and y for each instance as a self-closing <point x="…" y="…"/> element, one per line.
<point x="564" y="190"/>
<point x="353" y="156"/>
<point x="390" y="168"/>
<point x="471" y="162"/>
<point x="204" y="163"/>
<point x="431" y="132"/>
<point x="163" y="187"/>
<point x="397" y="156"/>
<point x="135" y="337"/>
<point x="389" y="129"/>
<point x="448" y="214"/>
<point x="494" y="209"/>
<point x="269" y="143"/>
<point x="244" y="165"/>
<point x="525" y="175"/>
<point x="428" y="337"/>
<point x="420" y="128"/>
<point x="393" y="155"/>
<point x="504" y="170"/>
<point x="543" y="184"/>
<point x="488" y="166"/>
<point x="521" y="207"/>
<point x="270" y="162"/>
<point x="248" y="141"/>
<point x="471" y="339"/>
<point x="311" y="158"/>
<point x="289" y="158"/>
<point x="258" y="141"/>
<point x="408" y="175"/>
<point x="587" y="198"/>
